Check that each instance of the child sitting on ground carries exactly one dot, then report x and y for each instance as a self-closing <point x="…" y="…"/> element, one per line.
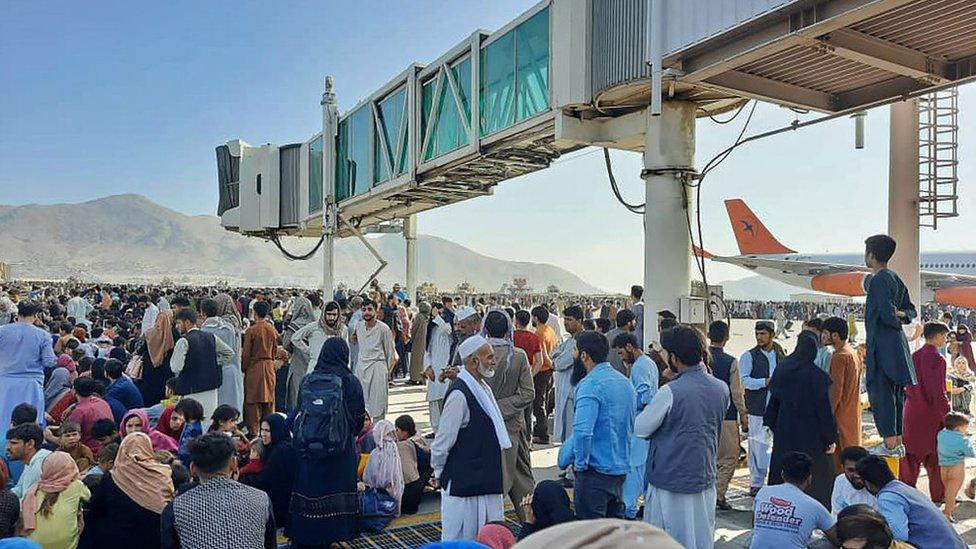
<point x="192" y="413"/>
<point x="69" y="440"/>
<point x="415" y="461"/>
<point x="954" y="447"/>
<point x="249" y="473"/>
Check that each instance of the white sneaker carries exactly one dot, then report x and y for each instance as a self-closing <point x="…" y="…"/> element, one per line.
<point x="882" y="450"/>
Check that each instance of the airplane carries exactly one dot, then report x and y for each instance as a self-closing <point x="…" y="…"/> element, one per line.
<point x="948" y="278"/>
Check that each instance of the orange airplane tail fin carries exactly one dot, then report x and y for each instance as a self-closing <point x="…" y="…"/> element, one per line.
<point x="752" y="236"/>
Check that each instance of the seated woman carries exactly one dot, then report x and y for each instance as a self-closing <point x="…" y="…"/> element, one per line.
<point x="51" y="510"/>
<point x="278" y="474"/>
<point x="547" y="506"/>
<point x="383" y="470"/>
<point x="415" y="463"/>
<point x="137" y="421"/>
<point x="124" y="510"/>
<point x="963" y="381"/>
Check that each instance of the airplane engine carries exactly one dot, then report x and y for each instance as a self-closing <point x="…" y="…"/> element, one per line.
<point x="849" y="284"/>
<point x="960" y="296"/>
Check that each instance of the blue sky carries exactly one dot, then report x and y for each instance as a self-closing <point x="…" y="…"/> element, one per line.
<point x="114" y="97"/>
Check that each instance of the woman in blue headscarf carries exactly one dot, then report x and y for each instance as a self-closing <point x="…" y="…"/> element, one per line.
<point x="325" y="501"/>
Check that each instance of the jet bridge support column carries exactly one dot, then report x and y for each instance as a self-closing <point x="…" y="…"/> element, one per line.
<point x="330" y="212"/>
<point x="410" y="235"/>
<point x="669" y="159"/>
<point x="903" y="195"/>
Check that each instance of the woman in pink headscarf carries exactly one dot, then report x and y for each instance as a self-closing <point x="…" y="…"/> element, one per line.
<point x="51" y="511"/>
<point x="383" y="470"/>
<point x="137" y="421"/>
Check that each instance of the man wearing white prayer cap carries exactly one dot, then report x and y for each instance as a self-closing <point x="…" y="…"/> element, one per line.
<point x="466" y="454"/>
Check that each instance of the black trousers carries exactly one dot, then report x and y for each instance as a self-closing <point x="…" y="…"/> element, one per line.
<point x="542" y="382"/>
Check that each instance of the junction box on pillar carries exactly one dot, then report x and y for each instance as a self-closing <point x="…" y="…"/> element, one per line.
<point x="669" y="164"/>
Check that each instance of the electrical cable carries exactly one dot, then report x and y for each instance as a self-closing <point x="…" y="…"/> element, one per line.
<point x="277" y="242"/>
<point x="635" y="208"/>
<point x="726" y="121"/>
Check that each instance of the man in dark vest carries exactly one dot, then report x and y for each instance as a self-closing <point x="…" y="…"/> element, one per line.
<point x="683" y="421"/>
<point x="466" y="454"/>
<point x="197" y="361"/>
<point x="756" y="367"/>
<point x="726" y="368"/>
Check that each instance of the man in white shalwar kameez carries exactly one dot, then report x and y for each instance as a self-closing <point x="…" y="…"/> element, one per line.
<point x="562" y="363"/>
<point x="377" y="357"/>
<point x="471" y="437"/>
<point x="438" y="354"/>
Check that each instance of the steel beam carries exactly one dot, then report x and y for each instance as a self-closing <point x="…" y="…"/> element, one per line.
<point x="882" y="54"/>
<point x="758" y="87"/>
<point x="777" y="35"/>
<point x="900" y="85"/>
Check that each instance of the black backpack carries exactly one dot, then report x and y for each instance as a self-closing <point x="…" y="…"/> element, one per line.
<point x="321" y="428"/>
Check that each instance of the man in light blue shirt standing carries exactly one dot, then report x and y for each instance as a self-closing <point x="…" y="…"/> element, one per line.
<point x="639" y="366"/>
<point x="25" y="351"/>
<point x="602" y="429"/>
<point x="756" y="367"/>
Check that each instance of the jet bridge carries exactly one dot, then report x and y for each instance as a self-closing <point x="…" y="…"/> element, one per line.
<point x="566" y="74"/>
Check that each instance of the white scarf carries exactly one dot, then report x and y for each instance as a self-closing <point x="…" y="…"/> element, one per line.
<point x="482" y="393"/>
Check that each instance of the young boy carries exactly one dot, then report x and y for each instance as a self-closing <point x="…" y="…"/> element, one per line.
<point x="106" y="460"/>
<point x="415" y="462"/>
<point x="888" y="361"/>
<point x="192" y="413"/>
<point x="69" y="440"/>
<point x="954" y="447"/>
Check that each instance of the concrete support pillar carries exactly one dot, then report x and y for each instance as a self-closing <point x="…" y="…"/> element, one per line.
<point x="669" y="156"/>
<point x="330" y="218"/>
<point x="410" y="235"/>
<point x="903" y="194"/>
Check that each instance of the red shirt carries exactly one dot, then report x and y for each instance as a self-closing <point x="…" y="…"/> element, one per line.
<point x="528" y="342"/>
<point x="86" y="413"/>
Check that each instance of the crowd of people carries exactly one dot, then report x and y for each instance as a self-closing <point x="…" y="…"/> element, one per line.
<point x="144" y="417"/>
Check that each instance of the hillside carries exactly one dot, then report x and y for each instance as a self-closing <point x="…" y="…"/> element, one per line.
<point x="130" y="238"/>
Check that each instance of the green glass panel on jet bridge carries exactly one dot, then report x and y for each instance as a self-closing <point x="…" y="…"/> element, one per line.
<point x="343" y="188"/>
<point x="315" y="175"/>
<point x="498" y="84"/>
<point x="390" y="112"/>
<point x="515" y="75"/>
<point x="532" y="66"/>
<point x="449" y="132"/>
<point x="462" y="77"/>
<point x="357" y="159"/>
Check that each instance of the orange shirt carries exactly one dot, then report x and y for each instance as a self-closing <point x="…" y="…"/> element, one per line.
<point x="547" y="337"/>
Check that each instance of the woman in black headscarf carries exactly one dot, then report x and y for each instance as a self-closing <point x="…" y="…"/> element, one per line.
<point x="549" y="506"/>
<point x="801" y="418"/>
<point x="325" y="501"/>
<point x="278" y="475"/>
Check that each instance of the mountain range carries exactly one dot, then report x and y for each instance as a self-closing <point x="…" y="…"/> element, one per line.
<point x="129" y="238"/>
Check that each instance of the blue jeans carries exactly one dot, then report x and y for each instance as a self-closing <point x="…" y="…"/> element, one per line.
<point x="596" y="495"/>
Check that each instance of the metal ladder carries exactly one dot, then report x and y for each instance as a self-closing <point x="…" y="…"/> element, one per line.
<point x="938" y="145"/>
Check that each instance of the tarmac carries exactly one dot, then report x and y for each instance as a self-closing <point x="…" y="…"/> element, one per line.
<point x="733" y="528"/>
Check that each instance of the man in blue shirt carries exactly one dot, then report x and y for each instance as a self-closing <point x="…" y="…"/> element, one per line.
<point x="602" y="429"/>
<point x="912" y="516"/>
<point x="639" y="367"/>
<point x="121" y="394"/>
<point x="25" y="352"/>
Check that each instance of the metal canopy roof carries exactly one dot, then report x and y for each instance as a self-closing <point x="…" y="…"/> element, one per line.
<point x="838" y="55"/>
